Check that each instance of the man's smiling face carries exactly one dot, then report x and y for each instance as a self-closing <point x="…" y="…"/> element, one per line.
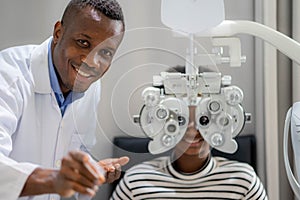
<point x="83" y="48"/>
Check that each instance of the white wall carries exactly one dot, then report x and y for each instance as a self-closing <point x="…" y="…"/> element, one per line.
<point x="29" y="21"/>
<point x="145" y="51"/>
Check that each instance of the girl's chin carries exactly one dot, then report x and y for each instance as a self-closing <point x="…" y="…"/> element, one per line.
<point x="190" y="152"/>
<point x="193" y="152"/>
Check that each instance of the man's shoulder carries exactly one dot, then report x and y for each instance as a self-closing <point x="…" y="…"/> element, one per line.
<point x="16" y="58"/>
<point x="17" y="52"/>
<point x="20" y="52"/>
<point x="14" y="62"/>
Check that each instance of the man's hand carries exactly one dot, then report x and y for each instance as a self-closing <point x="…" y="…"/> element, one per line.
<point x="77" y="174"/>
<point x="112" y="166"/>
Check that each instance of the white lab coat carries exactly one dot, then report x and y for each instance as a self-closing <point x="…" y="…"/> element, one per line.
<point x="32" y="131"/>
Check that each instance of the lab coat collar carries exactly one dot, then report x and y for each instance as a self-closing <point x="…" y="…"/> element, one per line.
<point x="40" y="69"/>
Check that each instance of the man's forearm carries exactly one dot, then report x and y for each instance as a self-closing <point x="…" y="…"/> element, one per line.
<point x="39" y="182"/>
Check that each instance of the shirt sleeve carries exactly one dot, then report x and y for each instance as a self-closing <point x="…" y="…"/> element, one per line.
<point x="122" y="191"/>
<point x="13" y="177"/>
<point x="13" y="174"/>
<point x="257" y="190"/>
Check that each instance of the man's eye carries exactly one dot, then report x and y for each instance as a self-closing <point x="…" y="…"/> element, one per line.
<point x="83" y="43"/>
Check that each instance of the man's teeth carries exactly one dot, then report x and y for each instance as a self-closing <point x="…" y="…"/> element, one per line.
<point x="82" y="73"/>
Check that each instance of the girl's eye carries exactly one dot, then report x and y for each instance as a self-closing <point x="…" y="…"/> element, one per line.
<point x="106" y="53"/>
<point x="104" y="56"/>
<point x="83" y="43"/>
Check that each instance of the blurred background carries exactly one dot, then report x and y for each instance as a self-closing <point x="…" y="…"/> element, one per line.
<point x="267" y="78"/>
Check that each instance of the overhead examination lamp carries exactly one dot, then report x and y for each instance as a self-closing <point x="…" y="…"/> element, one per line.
<point x="219" y="114"/>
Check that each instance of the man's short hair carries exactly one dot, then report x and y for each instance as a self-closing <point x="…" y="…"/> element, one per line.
<point x="110" y="8"/>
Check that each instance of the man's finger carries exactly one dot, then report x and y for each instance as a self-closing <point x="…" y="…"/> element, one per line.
<point x="118" y="171"/>
<point x="80" y="156"/>
<point x="73" y="176"/>
<point x="96" y="170"/>
<point x="115" y="174"/>
<point x="88" y="167"/>
<point x="112" y="161"/>
<point x="123" y="160"/>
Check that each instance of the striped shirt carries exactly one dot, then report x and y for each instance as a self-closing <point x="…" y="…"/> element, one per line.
<point x="220" y="179"/>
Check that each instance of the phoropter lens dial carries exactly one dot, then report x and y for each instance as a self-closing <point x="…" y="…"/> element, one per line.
<point x="204" y="120"/>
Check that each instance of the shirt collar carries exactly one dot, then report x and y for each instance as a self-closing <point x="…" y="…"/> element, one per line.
<point x="40" y="69"/>
<point x="53" y="78"/>
<point x="210" y="165"/>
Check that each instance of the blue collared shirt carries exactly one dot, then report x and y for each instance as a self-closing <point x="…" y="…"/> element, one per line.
<point x="61" y="100"/>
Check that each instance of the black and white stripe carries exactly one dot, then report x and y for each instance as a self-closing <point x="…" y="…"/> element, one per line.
<point x="220" y="179"/>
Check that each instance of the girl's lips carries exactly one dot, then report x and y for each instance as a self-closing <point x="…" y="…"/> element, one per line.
<point x="192" y="141"/>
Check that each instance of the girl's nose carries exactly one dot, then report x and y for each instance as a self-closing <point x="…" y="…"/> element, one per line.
<point x="192" y="124"/>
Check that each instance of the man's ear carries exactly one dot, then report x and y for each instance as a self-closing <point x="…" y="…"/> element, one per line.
<point x="57" y="31"/>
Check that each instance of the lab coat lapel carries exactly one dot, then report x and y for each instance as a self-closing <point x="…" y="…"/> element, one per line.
<point x="40" y="69"/>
